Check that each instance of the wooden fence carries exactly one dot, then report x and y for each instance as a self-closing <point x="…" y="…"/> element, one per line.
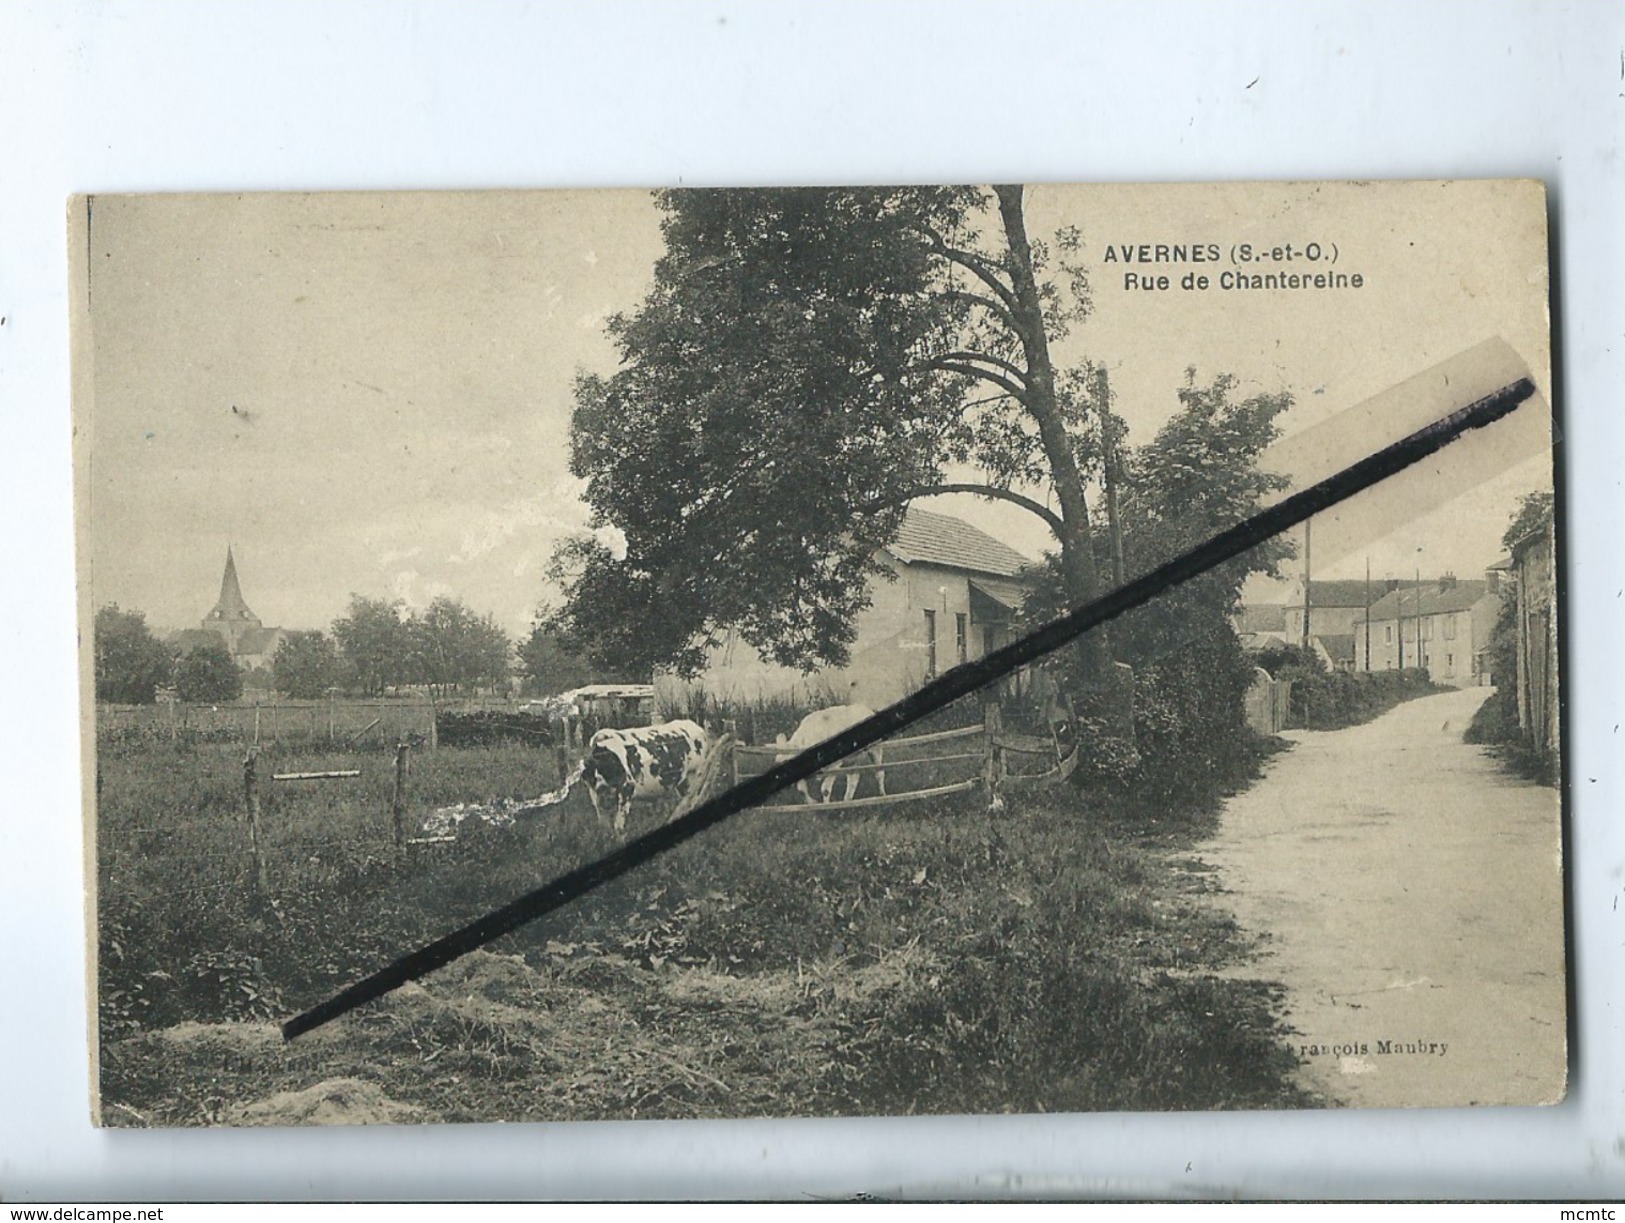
<point x="346" y="722"/>
<point x="983" y="752"/>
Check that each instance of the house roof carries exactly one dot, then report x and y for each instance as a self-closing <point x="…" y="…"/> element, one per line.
<point x="1262" y="618"/>
<point x="259" y="640"/>
<point x="1342" y="593"/>
<point x="1435" y="600"/>
<point x="942" y="539"/>
<point x="1339" y="645"/>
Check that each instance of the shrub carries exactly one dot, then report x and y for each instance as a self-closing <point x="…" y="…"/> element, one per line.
<point x="1333" y="700"/>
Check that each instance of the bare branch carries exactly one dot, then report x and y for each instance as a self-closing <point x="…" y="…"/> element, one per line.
<point x="988" y="304"/>
<point x="980" y="268"/>
<point x="986" y="375"/>
<point x="990" y="491"/>
<point x="1015" y="371"/>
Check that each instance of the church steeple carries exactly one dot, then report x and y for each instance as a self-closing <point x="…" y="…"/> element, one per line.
<point x="230" y="609"/>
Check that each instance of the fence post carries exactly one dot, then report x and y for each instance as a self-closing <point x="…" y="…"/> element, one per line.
<point x="251" y="801"/>
<point x="256" y="723"/>
<point x="332" y="701"/>
<point x="434" y="727"/>
<point x="993" y="765"/>
<point x="397" y="803"/>
<point x="561" y="759"/>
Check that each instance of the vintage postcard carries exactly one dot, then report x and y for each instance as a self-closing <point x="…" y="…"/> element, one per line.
<point x="433" y="545"/>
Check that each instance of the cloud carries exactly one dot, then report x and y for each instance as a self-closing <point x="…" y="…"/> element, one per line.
<point x="556" y="511"/>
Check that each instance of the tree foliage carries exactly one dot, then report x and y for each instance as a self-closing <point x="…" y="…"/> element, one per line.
<point x="1534" y="514"/>
<point x="131" y="663"/>
<point x="207" y="672"/>
<point x="451" y="646"/>
<point x="805" y="364"/>
<point x="307" y="665"/>
<point x="446" y="646"/>
<point x="374" y="641"/>
<point x="1198" y="476"/>
<point x="551" y="667"/>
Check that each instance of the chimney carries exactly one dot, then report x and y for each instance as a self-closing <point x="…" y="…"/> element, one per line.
<point x="1448" y="581"/>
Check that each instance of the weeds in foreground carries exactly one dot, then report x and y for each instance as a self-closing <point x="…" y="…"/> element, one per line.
<point x="931" y="959"/>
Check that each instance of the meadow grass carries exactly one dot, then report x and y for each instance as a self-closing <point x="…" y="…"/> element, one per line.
<point x="1060" y="955"/>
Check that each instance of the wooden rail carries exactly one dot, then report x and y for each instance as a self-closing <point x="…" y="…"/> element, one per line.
<point x="884" y="766"/>
<point x="877" y="800"/>
<point x="777" y="750"/>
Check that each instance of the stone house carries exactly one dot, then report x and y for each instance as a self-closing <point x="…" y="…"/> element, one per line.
<point x="1443" y="624"/>
<point x="954" y="597"/>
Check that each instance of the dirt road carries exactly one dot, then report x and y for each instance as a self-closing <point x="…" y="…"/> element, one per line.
<point x="1410" y="893"/>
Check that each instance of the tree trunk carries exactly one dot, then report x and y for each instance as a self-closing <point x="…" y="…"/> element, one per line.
<point x="1077" y="549"/>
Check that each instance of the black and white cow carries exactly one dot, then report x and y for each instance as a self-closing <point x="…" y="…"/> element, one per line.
<point x="642" y="763"/>
<point x="824" y="724"/>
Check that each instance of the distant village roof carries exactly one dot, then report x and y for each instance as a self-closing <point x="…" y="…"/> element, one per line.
<point x="1438" y="598"/>
<point x="1263" y="618"/>
<point x="259" y="641"/>
<point x="1340" y="646"/>
<point x="1344" y="593"/>
<point x="941" y="539"/>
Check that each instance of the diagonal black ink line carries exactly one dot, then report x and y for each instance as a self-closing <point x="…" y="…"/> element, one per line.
<point x="944" y="690"/>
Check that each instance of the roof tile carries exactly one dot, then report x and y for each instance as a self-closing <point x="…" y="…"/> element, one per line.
<point x="941" y="539"/>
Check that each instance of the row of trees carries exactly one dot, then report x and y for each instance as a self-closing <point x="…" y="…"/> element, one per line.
<point x="378" y="644"/>
<point x="132" y="663"/>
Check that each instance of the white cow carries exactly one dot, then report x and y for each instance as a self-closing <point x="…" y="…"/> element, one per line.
<point x="824" y="724"/>
<point x="642" y="763"/>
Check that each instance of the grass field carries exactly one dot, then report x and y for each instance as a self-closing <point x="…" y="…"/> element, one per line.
<point x="1060" y="955"/>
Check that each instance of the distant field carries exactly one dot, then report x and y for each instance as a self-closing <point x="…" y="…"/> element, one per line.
<point x="932" y="958"/>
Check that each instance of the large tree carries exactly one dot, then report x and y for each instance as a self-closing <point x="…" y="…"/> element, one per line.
<point x="1199" y="475"/>
<point x="805" y="364"/>
<point x="131" y="662"/>
<point x="549" y="666"/>
<point x="207" y="672"/>
<point x="374" y="641"/>
<point x="306" y="665"/>
<point x="452" y="645"/>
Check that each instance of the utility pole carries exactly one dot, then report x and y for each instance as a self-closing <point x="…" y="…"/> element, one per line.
<point x="1368" y="613"/>
<point x="1399" y="617"/>
<point x="1108" y="462"/>
<point x="1421" y="658"/>
<point x="1306" y="599"/>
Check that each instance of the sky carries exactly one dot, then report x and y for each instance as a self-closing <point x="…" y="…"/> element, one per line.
<point x="365" y="393"/>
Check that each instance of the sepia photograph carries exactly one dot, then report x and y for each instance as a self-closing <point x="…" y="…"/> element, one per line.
<point x="434" y="545"/>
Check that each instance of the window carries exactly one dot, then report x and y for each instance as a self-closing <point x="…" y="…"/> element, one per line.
<point x="962" y="636"/>
<point x="1427" y="629"/>
<point x="930" y="642"/>
<point x="1449" y="628"/>
<point x="1387" y="634"/>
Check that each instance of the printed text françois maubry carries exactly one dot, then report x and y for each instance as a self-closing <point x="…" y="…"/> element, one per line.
<point x="1380" y="1048"/>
